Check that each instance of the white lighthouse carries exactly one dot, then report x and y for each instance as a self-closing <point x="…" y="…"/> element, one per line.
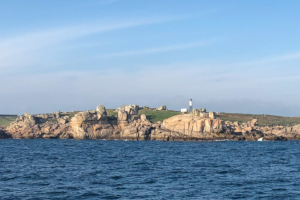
<point x="191" y="105"/>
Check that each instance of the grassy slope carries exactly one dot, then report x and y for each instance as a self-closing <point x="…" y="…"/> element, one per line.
<point x="263" y="120"/>
<point x="160" y="115"/>
<point x="5" y="121"/>
<point x="154" y="116"/>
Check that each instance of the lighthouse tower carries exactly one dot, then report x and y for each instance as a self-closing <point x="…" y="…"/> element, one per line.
<point x="191" y="105"/>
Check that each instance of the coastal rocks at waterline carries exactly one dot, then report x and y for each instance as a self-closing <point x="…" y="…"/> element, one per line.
<point x="95" y="124"/>
<point x="252" y="131"/>
<point x="3" y="134"/>
<point x="32" y="127"/>
<point x="129" y="125"/>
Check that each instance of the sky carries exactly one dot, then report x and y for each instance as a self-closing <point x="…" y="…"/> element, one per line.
<point x="228" y="56"/>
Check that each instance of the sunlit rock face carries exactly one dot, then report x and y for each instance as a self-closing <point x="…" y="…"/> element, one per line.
<point x="192" y="127"/>
<point x="91" y="124"/>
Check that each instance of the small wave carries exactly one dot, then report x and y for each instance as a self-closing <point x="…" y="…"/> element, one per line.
<point x="221" y="140"/>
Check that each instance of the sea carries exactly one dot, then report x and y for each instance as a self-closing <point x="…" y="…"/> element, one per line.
<point x="98" y="169"/>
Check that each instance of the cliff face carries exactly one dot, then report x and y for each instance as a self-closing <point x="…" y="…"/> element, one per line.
<point x="189" y="127"/>
<point x="95" y="124"/>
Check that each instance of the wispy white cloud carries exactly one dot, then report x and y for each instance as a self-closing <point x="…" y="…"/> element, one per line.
<point x="33" y="42"/>
<point x="157" y="50"/>
<point x="273" y="59"/>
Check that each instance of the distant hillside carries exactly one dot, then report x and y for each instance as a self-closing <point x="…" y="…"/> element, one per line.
<point x="154" y="116"/>
<point x="263" y="120"/>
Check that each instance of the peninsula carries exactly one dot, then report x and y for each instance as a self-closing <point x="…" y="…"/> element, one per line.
<point x="132" y="123"/>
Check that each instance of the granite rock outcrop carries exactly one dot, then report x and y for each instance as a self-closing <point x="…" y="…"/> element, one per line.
<point x="128" y="125"/>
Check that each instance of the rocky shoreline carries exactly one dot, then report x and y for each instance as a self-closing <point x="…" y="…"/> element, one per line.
<point x="95" y="124"/>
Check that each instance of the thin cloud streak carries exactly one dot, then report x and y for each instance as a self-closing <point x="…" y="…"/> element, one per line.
<point x="41" y="39"/>
<point x="279" y="58"/>
<point x="157" y="50"/>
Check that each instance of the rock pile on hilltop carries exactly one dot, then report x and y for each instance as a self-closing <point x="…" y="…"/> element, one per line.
<point x="202" y="113"/>
<point x="164" y="107"/>
<point x="128" y="125"/>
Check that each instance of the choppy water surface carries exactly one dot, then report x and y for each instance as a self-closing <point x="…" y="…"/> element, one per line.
<point x="94" y="169"/>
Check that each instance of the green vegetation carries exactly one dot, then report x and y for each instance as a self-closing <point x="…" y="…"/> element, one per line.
<point x="6" y="120"/>
<point x="263" y="120"/>
<point x="155" y="116"/>
<point x="71" y="114"/>
<point x="159" y="115"/>
<point x="111" y="112"/>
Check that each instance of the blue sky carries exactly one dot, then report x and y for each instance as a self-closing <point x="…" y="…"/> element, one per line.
<point x="229" y="56"/>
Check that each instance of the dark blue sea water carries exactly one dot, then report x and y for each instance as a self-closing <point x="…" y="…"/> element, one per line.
<point x="95" y="169"/>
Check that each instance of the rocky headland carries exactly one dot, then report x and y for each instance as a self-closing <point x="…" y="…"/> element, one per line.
<point x="129" y="125"/>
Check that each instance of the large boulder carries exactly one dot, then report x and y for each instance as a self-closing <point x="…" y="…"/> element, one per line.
<point x="101" y="113"/>
<point x="127" y="114"/>
<point x="164" y="107"/>
<point x="122" y="117"/>
<point x="212" y="115"/>
<point x="196" y="112"/>
<point x="130" y="109"/>
<point x="143" y="117"/>
<point x="254" y="122"/>
<point x="202" y="110"/>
